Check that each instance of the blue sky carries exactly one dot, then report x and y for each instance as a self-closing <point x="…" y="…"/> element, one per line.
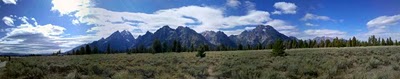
<point x="45" y="26"/>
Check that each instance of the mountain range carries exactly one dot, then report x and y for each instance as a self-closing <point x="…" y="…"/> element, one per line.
<point x="121" y="41"/>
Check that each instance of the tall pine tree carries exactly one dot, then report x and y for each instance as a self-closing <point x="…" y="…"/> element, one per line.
<point x="157" y="46"/>
<point x="109" y="50"/>
<point x="88" y="49"/>
<point x="278" y="49"/>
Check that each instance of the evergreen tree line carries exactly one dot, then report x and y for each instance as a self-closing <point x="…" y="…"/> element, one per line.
<point x="336" y="42"/>
<point x="87" y="49"/>
<point x="160" y="47"/>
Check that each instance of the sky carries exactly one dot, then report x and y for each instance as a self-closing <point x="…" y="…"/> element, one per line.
<point x="46" y="26"/>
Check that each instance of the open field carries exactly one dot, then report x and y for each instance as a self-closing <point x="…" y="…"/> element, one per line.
<point x="324" y="63"/>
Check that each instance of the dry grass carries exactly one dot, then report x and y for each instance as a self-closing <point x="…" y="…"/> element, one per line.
<point x="323" y="63"/>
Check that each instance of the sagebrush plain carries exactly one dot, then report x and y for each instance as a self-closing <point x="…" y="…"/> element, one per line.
<point x="377" y="62"/>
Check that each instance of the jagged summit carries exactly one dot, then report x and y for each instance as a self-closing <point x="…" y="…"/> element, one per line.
<point x="123" y="40"/>
<point x="264" y="34"/>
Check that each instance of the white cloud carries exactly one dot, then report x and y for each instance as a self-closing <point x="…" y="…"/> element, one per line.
<point x="310" y="24"/>
<point x="283" y="27"/>
<point x="75" y="22"/>
<point x="24" y="19"/>
<point x="8" y="21"/>
<point x="207" y="18"/>
<point x="383" y="21"/>
<point x="233" y="3"/>
<point x="6" y="30"/>
<point x="280" y="25"/>
<point x="250" y="5"/>
<point x="285" y="8"/>
<point x="324" y="32"/>
<point x="10" y="1"/>
<point x="310" y="16"/>
<point x="65" y="7"/>
<point x="34" y="38"/>
<point x="204" y="18"/>
<point x="237" y="31"/>
<point x="378" y="26"/>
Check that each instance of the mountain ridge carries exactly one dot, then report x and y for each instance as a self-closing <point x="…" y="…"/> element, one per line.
<point x="187" y="37"/>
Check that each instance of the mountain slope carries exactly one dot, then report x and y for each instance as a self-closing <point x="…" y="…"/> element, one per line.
<point x="218" y="38"/>
<point x="259" y="35"/>
<point x="184" y="35"/>
<point x="118" y="41"/>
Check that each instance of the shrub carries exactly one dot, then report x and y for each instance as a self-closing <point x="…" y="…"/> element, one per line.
<point x="201" y="54"/>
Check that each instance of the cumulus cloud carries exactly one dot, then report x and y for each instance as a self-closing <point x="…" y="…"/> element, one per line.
<point x="65" y="7"/>
<point x="324" y="32"/>
<point x="310" y="16"/>
<point x="10" y="2"/>
<point x="285" y="8"/>
<point x="250" y="5"/>
<point x="310" y="24"/>
<point x="8" y="21"/>
<point x="283" y="27"/>
<point x="34" y="38"/>
<point x="383" y="21"/>
<point x="379" y="25"/>
<point x="75" y="22"/>
<point x="204" y="18"/>
<point x="199" y="18"/>
<point x="233" y="3"/>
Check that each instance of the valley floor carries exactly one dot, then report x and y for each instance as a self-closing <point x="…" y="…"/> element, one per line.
<point x="340" y="63"/>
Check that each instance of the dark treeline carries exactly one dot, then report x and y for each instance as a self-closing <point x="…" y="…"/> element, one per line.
<point x="160" y="47"/>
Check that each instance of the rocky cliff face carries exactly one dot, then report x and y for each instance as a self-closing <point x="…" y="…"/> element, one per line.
<point x="260" y="35"/>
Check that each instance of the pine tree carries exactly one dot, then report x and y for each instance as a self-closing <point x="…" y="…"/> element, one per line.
<point x="248" y="47"/>
<point x="328" y="43"/>
<point x="165" y="47"/>
<point x="240" y="47"/>
<point x="336" y="42"/>
<point x="315" y="44"/>
<point x="96" y="50"/>
<point x="192" y="48"/>
<point x="322" y="43"/>
<point x="374" y="40"/>
<point x="174" y="46"/>
<point x="349" y="43"/>
<point x="301" y="44"/>
<point x="383" y="42"/>
<point x="390" y="41"/>
<point x="88" y="49"/>
<point x="354" y="41"/>
<point x="200" y="52"/>
<point x="178" y="47"/>
<point x="294" y="44"/>
<point x="310" y="43"/>
<point x="73" y="52"/>
<point x="109" y="50"/>
<point x="222" y="47"/>
<point x="278" y="48"/>
<point x="157" y="46"/>
<point x="269" y="46"/>
<point x="82" y="51"/>
<point x="259" y="46"/>
<point x="206" y="48"/>
<point x="289" y="44"/>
